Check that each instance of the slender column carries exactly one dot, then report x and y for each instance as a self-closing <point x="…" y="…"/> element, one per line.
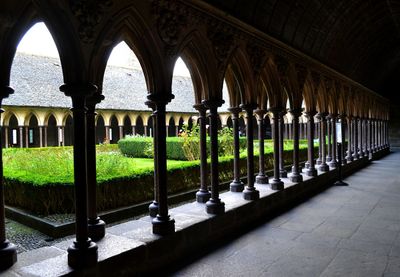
<point x="21" y="136"/>
<point x="370" y="138"/>
<point x="276" y="183"/>
<point x="250" y="192"/>
<point x="342" y="153"/>
<point x="323" y="166"/>
<point x="27" y="136"/>
<point x="366" y="137"/>
<point x="177" y="130"/>
<point x="153" y="207"/>
<point x="380" y="135"/>
<point x="236" y="185"/>
<point x="163" y="224"/>
<point x="96" y="226"/>
<point x="360" y="138"/>
<point x="107" y="138"/>
<point x="329" y="136"/>
<point x="376" y="135"/>
<point x="214" y="205"/>
<point x="282" y="170"/>
<point x="60" y="136"/>
<point x="45" y="136"/>
<point x="83" y="252"/>
<point x="311" y="171"/>
<point x="285" y="128"/>
<point x="203" y="195"/>
<point x="296" y="177"/>
<point x="40" y="136"/>
<point x="387" y="133"/>
<point x="333" y="162"/>
<point x="349" y="157"/>
<point x="121" y="132"/>
<point x="301" y="132"/>
<point x="133" y="130"/>
<point x="261" y="177"/>
<point x="356" y="149"/>
<point x="145" y="131"/>
<point x="319" y="159"/>
<point x="5" y="128"/>
<point x="8" y="252"/>
<point x="290" y="130"/>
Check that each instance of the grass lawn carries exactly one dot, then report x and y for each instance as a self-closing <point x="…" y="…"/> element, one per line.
<point x="54" y="165"/>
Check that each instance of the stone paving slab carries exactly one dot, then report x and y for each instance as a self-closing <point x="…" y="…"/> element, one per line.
<point x="343" y="231"/>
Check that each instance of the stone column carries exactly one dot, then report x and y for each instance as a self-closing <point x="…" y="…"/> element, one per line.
<point x="5" y="128"/>
<point x="370" y="138"/>
<point x="121" y="132"/>
<point x="323" y="166"/>
<point x="107" y="138"/>
<point x="329" y="136"/>
<point x="376" y="143"/>
<point x="311" y="171"/>
<point x="96" y="226"/>
<point x="45" y="136"/>
<point x="60" y="135"/>
<point x="290" y="129"/>
<point x="133" y="130"/>
<point x="319" y="159"/>
<point x="40" y="136"/>
<point x="153" y="207"/>
<point x="145" y="130"/>
<point x="360" y="138"/>
<point x="21" y="136"/>
<point x="177" y="130"/>
<point x="250" y="192"/>
<point x="342" y="154"/>
<point x="203" y="195"/>
<point x="333" y="162"/>
<point x="214" y="205"/>
<point x="276" y="183"/>
<point x="349" y="157"/>
<point x="296" y="177"/>
<point x="282" y="170"/>
<point x="355" y="141"/>
<point x="27" y="136"/>
<point x="261" y="177"/>
<point x="236" y="185"/>
<point x="83" y="252"/>
<point x="163" y="224"/>
<point x="8" y="252"/>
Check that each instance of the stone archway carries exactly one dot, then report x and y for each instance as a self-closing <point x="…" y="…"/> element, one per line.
<point x="100" y="130"/>
<point x="52" y="131"/>
<point x="114" y="130"/>
<point x="68" y="131"/>
<point x="33" y="132"/>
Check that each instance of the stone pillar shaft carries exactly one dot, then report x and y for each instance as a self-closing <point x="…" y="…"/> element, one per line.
<point x="323" y="166"/>
<point x="311" y="171"/>
<point x="282" y="170"/>
<point x="296" y="176"/>
<point x="276" y="183"/>
<point x="261" y="178"/>
<point x="236" y="185"/>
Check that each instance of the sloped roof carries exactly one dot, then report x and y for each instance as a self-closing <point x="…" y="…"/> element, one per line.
<point x="36" y="81"/>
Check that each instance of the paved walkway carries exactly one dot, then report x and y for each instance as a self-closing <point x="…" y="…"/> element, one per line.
<point x="344" y="231"/>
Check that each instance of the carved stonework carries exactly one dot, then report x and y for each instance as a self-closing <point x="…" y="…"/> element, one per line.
<point x="222" y="39"/>
<point x="258" y="56"/>
<point x="328" y="83"/>
<point x="172" y="18"/>
<point x="282" y="66"/>
<point x="301" y="72"/>
<point x="89" y="14"/>
<point x="316" y="77"/>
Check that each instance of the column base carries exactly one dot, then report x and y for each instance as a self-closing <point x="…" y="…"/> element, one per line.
<point x="277" y="185"/>
<point x="282" y="173"/>
<point x="82" y="255"/>
<point x="333" y="164"/>
<point x="153" y="209"/>
<point x="202" y="196"/>
<point x="215" y="206"/>
<point x="328" y="158"/>
<point x="96" y="229"/>
<point x="318" y="161"/>
<point x="340" y="183"/>
<point x="261" y="179"/>
<point x="296" y="178"/>
<point x="323" y="167"/>
<point x="163" y="226"/>
<point x="307" y="165"/>
<point x="312" y="172"/>
<point x="8" y="255"/>
<point x="236" y="186"/>
<point x="349" y="159"/>
<point x="251" y="194"/>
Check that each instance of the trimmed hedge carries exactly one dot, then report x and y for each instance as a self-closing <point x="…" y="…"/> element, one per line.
<point x="124" y="191"/>
<point x="141" y="147"/>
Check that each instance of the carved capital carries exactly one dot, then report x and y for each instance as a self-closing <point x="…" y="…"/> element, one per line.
<point x="258" y="56"/>
<point x="222" y="39"/>
<point x="213" y="103"/>
<point x="5" y="91"/>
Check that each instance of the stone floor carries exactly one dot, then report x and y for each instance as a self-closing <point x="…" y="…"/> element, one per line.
<point x="344" y="231"/>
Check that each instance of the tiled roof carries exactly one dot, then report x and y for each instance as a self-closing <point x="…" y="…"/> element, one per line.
<point x="36" y="81"/>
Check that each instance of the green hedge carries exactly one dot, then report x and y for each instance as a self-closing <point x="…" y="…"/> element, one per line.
<point x="141" y="147"/>
<point x="123" y="191"/>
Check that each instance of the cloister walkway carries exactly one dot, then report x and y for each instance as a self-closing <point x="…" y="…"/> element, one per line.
<point x="343" y="231"/>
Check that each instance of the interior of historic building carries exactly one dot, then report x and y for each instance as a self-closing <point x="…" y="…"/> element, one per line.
<point x="326" y="72"/>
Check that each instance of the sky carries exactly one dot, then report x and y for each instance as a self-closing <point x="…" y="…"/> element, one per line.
<point x="38" y="41"/>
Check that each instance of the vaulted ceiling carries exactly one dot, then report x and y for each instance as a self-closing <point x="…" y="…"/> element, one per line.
<point x="359" y="38"/>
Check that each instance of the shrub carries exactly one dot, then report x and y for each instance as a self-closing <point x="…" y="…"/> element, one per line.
<point x="136" y="146"/>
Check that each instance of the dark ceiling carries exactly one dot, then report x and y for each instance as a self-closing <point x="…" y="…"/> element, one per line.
<point x="359" y="38"/>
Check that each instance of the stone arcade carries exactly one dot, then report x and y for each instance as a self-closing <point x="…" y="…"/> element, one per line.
<point x="265" y="78"/>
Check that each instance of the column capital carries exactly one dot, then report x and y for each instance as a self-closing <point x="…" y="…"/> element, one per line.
<point x="5" y="91"/>
<point x="342" y="116"/>
<point x="248" y="107"/>
<point x="94" y="99"/>
<point x="151" y="104"/>
<point x="78" y="89"/>
<point x="310" y="113"/>
<point x="160" y="99"/>
<point x="277" y="110"/>
<point x="332" y="116"/>
<point x="235" y="110"/>
<point x="200" y="107"/>
<point x="296" y="112"/>
<point x="213" y="103"/>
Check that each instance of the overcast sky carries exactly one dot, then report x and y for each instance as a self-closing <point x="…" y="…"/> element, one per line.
<point x="38" y="41"/>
